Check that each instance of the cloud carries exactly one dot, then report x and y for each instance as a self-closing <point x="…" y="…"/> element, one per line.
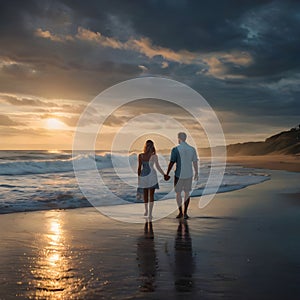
<point x="13" y="68"/>
<point x="25" y="101"/>
<point x="71" y="119"/>
<point x="287" y="85"/>
<point x="164" y="64"/>
<point x="53" y="104"/>
<point x="216" y="62"/>
<point x="147" y="107"/>
<point x="88" y="35"/>
<point x="48" y="35"/>
<point x="143" y="68"/>
<point x="68" y="77"/>
<point x="142" y="45"/>
<point x="27" y="132"/>
<point x="145" y="46"/>
<point x="219" y="64"/>
<point x="7" y="121"/>
<point x="115" y="120"/>
<point x="243" y="57"/>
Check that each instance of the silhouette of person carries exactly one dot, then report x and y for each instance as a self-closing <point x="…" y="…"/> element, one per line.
<point x="184" y="262"/>
<point x="147" y="260"/>
<point x="184" y="156"/>
<point x="147" y="175"/>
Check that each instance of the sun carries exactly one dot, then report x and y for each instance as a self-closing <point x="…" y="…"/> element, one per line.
<point x="53" y="123"/>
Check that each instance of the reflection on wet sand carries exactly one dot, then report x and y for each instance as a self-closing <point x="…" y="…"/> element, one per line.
<point x="52" y="271"/>
<point x="147" y="260"/>
<point x="184" y="262"/>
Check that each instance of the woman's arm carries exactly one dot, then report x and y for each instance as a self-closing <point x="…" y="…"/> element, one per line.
<point x="139" y="165"/>
<point x="158" y="166"/>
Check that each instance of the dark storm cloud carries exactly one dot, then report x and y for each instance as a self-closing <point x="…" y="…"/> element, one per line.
<point x="272" y="39"/>
<point x="195" y="25"/>
<point x="192" y="25"/>
<point x="48" y="68"/>
<point x="251" y="107"/>
<point x="267" y="31"/>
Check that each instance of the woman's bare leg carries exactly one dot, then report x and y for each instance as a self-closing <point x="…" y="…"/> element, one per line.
<point x="151" y="201"/>
<point x="146" y="201"/>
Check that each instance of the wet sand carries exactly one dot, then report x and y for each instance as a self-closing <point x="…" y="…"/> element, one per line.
<point x="244" y="245"/>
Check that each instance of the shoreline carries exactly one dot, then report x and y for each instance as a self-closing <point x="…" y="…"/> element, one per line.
<point x="270" y="162"/>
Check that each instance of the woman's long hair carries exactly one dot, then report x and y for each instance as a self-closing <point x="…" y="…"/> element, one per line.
<point x="149" y="148"/>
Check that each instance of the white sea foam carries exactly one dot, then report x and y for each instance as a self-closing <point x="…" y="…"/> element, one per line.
<point x="44" y="166"/>
<point x="38" y="181"/>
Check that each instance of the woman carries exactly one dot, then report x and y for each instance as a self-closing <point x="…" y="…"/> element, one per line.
<point x="147" y="175"/>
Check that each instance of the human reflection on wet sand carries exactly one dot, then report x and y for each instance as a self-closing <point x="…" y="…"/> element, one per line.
<point x="147" y="260"/>
<point x="184" y="262"/>
<point x="52" y="272"/>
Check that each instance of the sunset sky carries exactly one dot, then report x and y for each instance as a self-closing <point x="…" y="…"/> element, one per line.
<point x="56" y="56"/>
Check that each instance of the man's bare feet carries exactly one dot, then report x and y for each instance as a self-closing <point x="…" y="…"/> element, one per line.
<point x="179" y="216"/>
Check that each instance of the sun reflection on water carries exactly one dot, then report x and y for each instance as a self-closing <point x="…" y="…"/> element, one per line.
<point x="53" y="271"/>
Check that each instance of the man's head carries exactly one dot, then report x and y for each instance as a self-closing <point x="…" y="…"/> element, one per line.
<point x="181" y="137"/>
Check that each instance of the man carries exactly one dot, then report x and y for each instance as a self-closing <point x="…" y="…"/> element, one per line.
<point x="184" y="156"/>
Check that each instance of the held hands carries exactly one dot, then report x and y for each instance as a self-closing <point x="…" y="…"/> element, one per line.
<point x="166" y="177"/>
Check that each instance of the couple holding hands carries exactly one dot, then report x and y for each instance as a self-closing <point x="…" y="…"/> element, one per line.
<point x="185" y="157"/>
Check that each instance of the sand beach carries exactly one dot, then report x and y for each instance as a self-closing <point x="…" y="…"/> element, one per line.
<point x="243" y="245"/>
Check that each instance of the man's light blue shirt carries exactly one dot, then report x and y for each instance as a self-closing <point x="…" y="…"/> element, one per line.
<point x="183" y="155"/>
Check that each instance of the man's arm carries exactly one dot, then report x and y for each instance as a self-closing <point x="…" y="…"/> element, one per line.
<point x="173" y="159"/>
<point x="171" y="164"/>
<point x="195" y="164"/>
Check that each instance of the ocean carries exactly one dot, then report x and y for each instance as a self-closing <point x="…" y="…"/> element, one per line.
<point x="44" y="180"/>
